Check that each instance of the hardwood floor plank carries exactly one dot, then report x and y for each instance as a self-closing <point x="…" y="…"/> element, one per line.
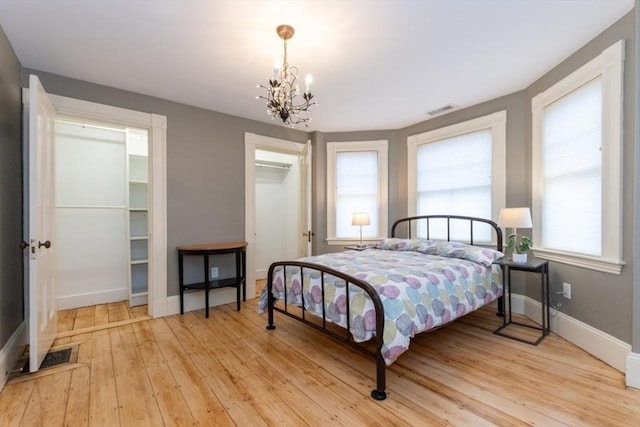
<point x="13" y="402"/>
<point x="85" y="317"/>
<point x="202" y="402"/>
<point x="48" y="400"/>
<point x="118" y="311"/>
<point x="229" y="370"/>
<point x="132" y="384"/>
<point x="103" y="401"/>
<point x="173" y="407"/>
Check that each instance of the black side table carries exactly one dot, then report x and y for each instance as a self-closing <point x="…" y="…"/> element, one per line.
<point x="533" y="265"/>
<point x="238" y="282"/>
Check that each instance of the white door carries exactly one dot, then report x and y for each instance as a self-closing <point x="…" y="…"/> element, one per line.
<point x="42" y="250"/>
<point x="306" y="233"/>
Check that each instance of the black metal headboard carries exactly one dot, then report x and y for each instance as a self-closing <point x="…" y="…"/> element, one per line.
<point x="407" y="224"/>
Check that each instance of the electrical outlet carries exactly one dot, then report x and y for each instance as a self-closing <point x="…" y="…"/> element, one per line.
<point x="566" y="290"/>
<point x="214" y="272"/>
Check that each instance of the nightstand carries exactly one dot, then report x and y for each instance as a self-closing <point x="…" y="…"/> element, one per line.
<point x="533" y="265"/>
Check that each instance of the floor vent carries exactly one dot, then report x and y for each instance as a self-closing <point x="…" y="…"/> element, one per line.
<point x="55" y="358"/>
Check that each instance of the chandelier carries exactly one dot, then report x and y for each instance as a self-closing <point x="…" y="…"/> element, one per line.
<point x="282" y="89"/>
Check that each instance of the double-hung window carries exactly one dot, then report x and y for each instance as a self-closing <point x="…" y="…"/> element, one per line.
<point x="459" y="170"/>
<point x="577" y="166"/>
<point x="356" y="182"/>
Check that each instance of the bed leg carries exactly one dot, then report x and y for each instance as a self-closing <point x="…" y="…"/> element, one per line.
<point x="270" y="299"/>
<point x="379" y="393"/>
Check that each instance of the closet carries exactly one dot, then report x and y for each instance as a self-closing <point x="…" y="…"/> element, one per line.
<point x="278" y="214"/>
<point x="101" y="211"/>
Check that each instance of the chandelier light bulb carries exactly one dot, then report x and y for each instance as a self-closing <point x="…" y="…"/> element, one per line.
<point x="308" y="81"/>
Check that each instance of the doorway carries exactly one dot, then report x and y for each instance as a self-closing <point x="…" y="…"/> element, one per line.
<point x="277" y="203"/>
<point x="155" y="127"/>
<point x="101" y="183"/>
<point x="277" y="209"/>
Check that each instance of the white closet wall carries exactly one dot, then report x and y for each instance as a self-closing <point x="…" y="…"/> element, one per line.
<point x="91" y="211"/>
<point x="277" y="209"/>
<point x="102" y="180"/>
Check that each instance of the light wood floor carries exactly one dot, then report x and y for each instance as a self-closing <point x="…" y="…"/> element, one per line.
<point x="228" y="370"/>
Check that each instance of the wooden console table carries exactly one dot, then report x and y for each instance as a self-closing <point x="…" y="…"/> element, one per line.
<point x="205" y="250"/>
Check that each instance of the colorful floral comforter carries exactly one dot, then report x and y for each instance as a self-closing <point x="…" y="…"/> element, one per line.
<point x="422" y="285"/>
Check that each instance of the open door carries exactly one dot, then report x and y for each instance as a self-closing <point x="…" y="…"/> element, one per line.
<point x="41" y="311"/>
<point x="306" y="232"/>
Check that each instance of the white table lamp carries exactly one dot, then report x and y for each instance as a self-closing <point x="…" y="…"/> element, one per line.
<point x="360" y="218"/>
<point x="515" y="218"/>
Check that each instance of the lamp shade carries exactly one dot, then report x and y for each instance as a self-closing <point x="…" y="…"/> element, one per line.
<point x="515" y="218"/>
<point x="360" y="218"/>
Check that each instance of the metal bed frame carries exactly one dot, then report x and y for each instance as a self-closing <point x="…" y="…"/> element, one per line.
<point x="343" y="335"/>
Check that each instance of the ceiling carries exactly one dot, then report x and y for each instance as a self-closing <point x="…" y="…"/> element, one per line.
<point x="375" y="64"/>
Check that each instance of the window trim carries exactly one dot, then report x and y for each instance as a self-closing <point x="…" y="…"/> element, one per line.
<point x="610" y="66"/>
<point x="497" y="122"/>
<point x="333" y="148"/>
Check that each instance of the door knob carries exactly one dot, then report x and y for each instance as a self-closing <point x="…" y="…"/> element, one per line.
<point x="46" y="244"/>
<point x="24" y="245"/>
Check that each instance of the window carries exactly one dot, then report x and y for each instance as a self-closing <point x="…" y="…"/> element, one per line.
<point x="576" y="174"/>
<point x="459" y="170"/>
<point x="356" y="182"/>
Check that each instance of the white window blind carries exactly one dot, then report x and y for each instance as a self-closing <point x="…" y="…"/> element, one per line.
<point x="356" y="191"/>
<point x="356" y="182"/>
<point x="454" y="176"/>
<point x="572" y="172"/>
<point x="459" y="170"/>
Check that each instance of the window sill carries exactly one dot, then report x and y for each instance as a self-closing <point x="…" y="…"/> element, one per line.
<point x="583" y="261"/>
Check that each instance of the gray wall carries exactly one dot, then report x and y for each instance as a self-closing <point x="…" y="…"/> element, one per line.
<point x="11" y="287"/>
<point x="205" y="163"/>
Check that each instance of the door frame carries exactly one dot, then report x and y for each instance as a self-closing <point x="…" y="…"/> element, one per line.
<point x="302" y="150"/>
<point x="157" y="127"/>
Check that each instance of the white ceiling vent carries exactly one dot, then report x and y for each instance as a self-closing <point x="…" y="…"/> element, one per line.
<point x="442" y="110"/>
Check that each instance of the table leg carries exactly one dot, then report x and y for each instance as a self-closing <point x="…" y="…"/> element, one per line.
<point x="238" y="278"/>
<point x="181" y="281"/>
<point x="244" y="274"/>
<point x="207" y="285"/>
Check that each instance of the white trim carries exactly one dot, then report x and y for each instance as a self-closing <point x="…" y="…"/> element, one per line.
<point x="497" y="122"/>
<point x="633" y="370"/>
<point x="578" y="260"/>
<point x="11" y="352"/>
<point x="382" y="149"/>
<point x="610" y="65"/>
<point x="68" y="302"/>
<point x="157" y="126"/>
<point x="194" y="300"/>
<point x="605" y="347"/>
<point x="251" y="143"/>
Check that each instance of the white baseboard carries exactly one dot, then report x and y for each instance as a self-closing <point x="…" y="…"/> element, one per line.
<point x="92" y="298"/>
<point x="194" y="300"/>
<point x="633" y="370"/>
<point x="607" y="348"/>
<point x="11" y="352"/>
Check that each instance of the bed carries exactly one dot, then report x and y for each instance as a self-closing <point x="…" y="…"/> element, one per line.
<point x="377" y="299"/>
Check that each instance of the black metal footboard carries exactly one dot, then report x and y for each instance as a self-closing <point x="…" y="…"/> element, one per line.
<point x="323" y="325"/>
